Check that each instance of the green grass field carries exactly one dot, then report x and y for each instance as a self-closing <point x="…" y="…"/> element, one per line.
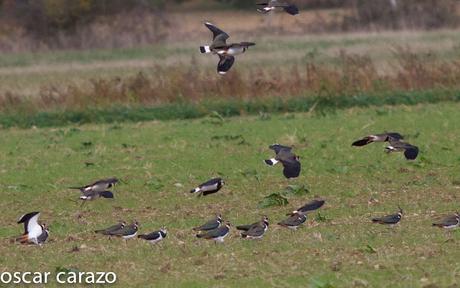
<point x="161" y="161"/>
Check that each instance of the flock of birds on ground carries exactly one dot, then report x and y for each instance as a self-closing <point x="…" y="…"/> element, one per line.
<point x="217" y="229"/>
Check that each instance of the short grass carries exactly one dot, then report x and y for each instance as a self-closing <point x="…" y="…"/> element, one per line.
<point x="160" y="161"/>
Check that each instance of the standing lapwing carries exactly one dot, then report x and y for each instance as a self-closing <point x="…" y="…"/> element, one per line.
<point x="289" y="160"/>
<point x="449" y="222"/>
<point x="34" y="233"/>
<point x="384" y="137"/>
<point x="310" y="206"/>
<point x="127" y="232"/>
<point x="209" y="187"/>
<point x="256" y="230"/>
<point x="155" y="236"/>
<point x="217" y="234"/>
<point x="226" y="52"/>
<point x="249" y="226"/>
<point x="392" y="219"/>
<point x="397" y="145"/>
<point x="210" y="225"/>
<point x="271" y="5"/>
<point x="294" y="221"/>
<point x="111" y="229"/>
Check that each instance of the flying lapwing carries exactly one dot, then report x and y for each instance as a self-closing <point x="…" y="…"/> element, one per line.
<point x="384" y="137"/>
<point x="34" y="233"/>
<point x="111" y="229"/>
<point x="294" y="221"/>
<point x="256" y="230"/>
<point x="449" y="222"/>
<point x="271" y="5"/>
<point x="209" y="187"/>
<point x="392" y="219"/>
<point x="127" y="232"/>
<point x="310" y="206"/>
<point x="98" y="186"/>
<point x="396" y="145"/>
<point x="217" y="234"/>
<point x="226" y="52"/>
<point x="289" y="160"/>
<point x="210" y="225"/>
<point x="155" y="236"/>
<point x="96" y="190"/>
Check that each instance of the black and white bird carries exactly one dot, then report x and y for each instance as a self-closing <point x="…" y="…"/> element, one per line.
<point x="210" y="225"/>
<point x="310" y="206"/>
<point x="226" y="52"/>
<point x="294" y="221"/>
<point x="383" y="137"/>
<point x="396" y="145"/>
<point x="290" y="161"/>
<point x="209" y="187"/>
<point x="34" y="233"/>
<point x="155" y="236"/>
<point x="98" y="186"/>
<point x="111" y="229"/>
<point x="97" y="189"/>
<point x="127" y="232"/>
<point x="256" y="230"/>
<point x="217" y="234"/>
<point x="271" y="5"/>
<point x="449" y="222"/>
<point x="392" y="219"/>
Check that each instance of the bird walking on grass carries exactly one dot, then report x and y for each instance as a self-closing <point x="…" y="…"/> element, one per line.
<point x="111" y="229"/>
<point x="127" y="232"/>
<point x="210" y="225"/>
<point x="392" y="219"/>
<point x="226" y="52"/>
<point x="217" y="234"/>
<point x="449" y="222"/>
<point x="294" y="221"/>
<point x="256" y="230"/>
<point x="272" y="5"/>
<point x="209" y="187"/>
<point x="34" y="233"/>
<point x="155" y="236"/>
<point x="290" y="161"/>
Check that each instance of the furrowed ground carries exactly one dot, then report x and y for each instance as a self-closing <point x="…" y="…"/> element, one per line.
<point x="159" y="162"/>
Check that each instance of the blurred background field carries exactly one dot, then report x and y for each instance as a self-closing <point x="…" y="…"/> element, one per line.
<point x="75" y="56"/>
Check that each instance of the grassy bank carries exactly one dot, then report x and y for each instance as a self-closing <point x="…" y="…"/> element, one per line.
<point x="160" y="161"/>
<point x="215" y="110"/>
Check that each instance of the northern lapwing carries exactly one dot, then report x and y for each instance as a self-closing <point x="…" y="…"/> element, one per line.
<point x="449" y="222"/>
<point x="98" y="186"/>
<point x="290" y="161"/>
<point x="384" y="137"/>
<point x="226" y="52"/>
<point x="209" y="187"/>
<point x="256" y="230"/>
<point x="210" y="225"/>
<point x="34" y="233"/>
<point x="274" y="4"/>
<point x="217" y="234"/>
<point x="392" y="219"/>
<point x="294" y="221"/>
<point x="127" y="232"/>
<point x="155" y="236"/>
<point x="249" y="226"/>
<point x="310" y="206"/>
<point x="397" y="145"/>
<point x="111" y="229"/>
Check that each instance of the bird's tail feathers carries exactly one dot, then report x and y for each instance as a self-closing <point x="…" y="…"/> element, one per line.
<point x="271" y="162"/>
<point x="205" y="49"/>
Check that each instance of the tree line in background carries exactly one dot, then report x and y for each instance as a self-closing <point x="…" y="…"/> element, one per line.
<point x="50" y="21"/>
